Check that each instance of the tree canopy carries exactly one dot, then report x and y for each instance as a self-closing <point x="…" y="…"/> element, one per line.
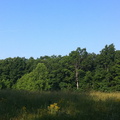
<point x="79" y="70"/>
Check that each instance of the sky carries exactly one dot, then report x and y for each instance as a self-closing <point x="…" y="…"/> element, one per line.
<point x="34" y="28"/>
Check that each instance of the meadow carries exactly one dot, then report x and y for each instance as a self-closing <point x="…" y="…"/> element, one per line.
<point x="26" y="105"/>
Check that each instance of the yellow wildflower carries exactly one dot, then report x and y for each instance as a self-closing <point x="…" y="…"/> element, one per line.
<point x="53" y="108"/>
<point x="55" y="104"/>
<point x="52" y="105"/>
<point x="57" y="108"/>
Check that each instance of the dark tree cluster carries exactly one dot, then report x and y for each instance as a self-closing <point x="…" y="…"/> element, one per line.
<point x="79" y="70"/>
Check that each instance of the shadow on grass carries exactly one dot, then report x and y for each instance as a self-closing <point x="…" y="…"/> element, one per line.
<point x="17" y="105"/>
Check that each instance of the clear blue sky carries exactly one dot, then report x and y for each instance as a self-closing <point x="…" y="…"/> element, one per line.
<point x="46" y="27"/>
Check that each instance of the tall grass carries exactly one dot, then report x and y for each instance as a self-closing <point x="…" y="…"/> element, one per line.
<point x="25" y="105"/>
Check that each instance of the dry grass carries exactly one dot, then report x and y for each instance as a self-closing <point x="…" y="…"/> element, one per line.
<point x="104" y="96"/>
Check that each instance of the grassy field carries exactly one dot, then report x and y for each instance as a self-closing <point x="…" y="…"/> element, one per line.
<point x="24" y="105"/>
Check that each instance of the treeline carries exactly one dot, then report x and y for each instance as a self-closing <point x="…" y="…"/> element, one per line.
<point x="79" y="70"/>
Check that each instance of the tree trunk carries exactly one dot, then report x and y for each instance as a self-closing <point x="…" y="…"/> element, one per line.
<point x="76" y="77"/>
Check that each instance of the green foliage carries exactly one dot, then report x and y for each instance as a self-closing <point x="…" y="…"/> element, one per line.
<point x="79" y="70"/>
<point x="77" y="57"/>
<point x="11" y="69"/>
<point x="35" y="80"/>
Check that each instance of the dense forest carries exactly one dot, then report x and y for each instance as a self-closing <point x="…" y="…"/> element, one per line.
<point x="79" y="70"/>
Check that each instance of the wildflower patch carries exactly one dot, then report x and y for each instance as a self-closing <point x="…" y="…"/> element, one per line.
<point x="53" y="108"/>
